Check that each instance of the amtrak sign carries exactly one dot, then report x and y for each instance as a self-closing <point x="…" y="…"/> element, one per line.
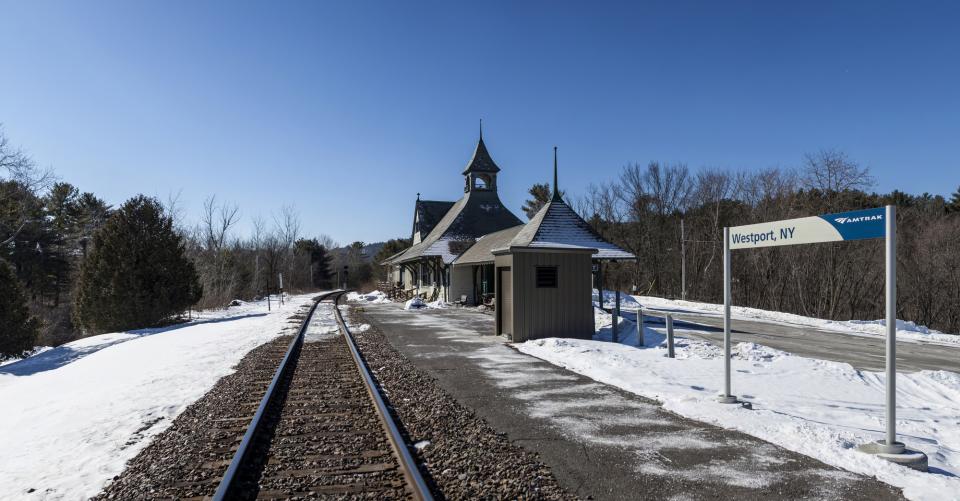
<point x="855" y="225"/>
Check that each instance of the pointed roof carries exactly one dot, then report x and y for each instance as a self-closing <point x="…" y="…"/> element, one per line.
<point x="476" y="214"/>
<point x="481" y="161"/>
<point x="557" y="226"/>
<point x="429" y="213"/>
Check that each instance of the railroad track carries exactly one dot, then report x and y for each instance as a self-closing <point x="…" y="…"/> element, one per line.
<point x="322" y="429"/>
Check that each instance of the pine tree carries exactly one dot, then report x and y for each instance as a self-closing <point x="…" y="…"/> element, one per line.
<point x="319" y="260"/>
<point x="18" y="330"/>
<point x="321" y="267"/>
<point x="541" y="195"/>
<point x="136" y="274"/>
<point x="954" y="205"/>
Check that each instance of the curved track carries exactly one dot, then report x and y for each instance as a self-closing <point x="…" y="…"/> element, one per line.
<point x="322" y="430"/>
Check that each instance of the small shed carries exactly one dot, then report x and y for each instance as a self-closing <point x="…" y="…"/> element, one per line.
<point x="543" y="277"/>
<point x="544" y="292"/>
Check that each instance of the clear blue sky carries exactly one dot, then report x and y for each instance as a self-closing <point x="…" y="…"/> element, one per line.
<point x="348" y="109"/>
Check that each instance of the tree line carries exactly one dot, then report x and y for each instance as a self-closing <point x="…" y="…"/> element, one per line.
<point x="71" y="265"/>
<point x="642" y="210"/>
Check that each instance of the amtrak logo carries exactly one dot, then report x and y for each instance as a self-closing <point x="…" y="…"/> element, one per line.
<point x="845" y="220"/>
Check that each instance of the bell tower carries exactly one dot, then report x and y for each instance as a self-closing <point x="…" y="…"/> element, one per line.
<point x="481" y="173"/>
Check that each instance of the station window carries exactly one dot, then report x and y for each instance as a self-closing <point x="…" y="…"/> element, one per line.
<point x="546" y="277"/>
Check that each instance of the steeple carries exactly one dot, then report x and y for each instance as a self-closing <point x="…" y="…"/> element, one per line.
<point x="556" y="190"/>
<point x="481" y="172"/>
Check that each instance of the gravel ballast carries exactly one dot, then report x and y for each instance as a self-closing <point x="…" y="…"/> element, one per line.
<point x="189" y="458"/>
<point x="458" y="452"/>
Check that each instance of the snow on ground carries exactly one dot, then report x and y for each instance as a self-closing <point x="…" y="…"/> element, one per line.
<point x="375" y="297"/>
<point x="416" y="303"/>
<point x="73" y="415"/>
<point x="35" y="351"/>
<point x="819" y="408"/>
<point x="908" y="331"/>
<point x="323" y="324"/>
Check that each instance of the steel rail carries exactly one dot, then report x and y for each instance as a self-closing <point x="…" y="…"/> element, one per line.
<point x="226" y="483"/>
<point x="410" y="471"/>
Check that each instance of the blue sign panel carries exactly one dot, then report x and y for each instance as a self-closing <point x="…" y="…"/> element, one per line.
<point x="859" y="224"/>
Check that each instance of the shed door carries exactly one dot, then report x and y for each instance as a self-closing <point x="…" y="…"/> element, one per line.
<point x="505" y="300"/>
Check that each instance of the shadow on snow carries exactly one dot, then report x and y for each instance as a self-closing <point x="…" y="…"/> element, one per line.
<point x="71" y="352"/>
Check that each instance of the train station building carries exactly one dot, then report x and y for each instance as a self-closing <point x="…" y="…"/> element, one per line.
<point x="538" y="276"/>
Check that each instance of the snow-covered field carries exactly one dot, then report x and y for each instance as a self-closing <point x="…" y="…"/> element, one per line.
<point x="819" y="408"/>
<point x="73" y="415"/>
<point x="906" y="330"/>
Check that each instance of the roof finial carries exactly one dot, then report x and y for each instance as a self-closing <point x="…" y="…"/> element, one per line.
<point x="556" y="191"/>
<point x="481" y="129"/>
<point x="418" y="196"/>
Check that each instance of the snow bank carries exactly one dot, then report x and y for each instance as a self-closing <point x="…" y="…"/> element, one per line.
<point x="35" y="351"/>
<point x="819" y="408"/>
<point x="75" y="414"/>
<point x="874" y="328"/>
<point x="414" y="304"/>
<point x="375" y="297"/>
<point x="610" y="300"/>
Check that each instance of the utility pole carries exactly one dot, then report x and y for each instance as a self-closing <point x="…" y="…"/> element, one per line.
<point x="256" y="271"/>
<point x="683" y="263"/>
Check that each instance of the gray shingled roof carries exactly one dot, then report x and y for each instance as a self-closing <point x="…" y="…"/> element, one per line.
<point x="482" y="250"/>
<point x="476" y="214"/>
<point x="556" y="225"/>
<point x="429" y="213"/>
<point x="481" y="161"/>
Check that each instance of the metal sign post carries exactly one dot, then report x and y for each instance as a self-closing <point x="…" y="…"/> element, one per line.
<point x="670" y="350"/>
<point x="854" y="225"/>
<point x="727" y="397"/>
<point x="891" y="248"/>
<point x="616" y="316"/>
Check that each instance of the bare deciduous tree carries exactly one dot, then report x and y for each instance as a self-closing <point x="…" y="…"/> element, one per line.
<point x="833" y="171"/>
<point x="20" y="181"/>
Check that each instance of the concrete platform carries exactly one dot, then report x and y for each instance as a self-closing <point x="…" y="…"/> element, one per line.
<point x="600" y="441"/>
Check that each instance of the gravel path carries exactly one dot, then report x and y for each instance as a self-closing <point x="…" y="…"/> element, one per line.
<point x="459" y="452"/>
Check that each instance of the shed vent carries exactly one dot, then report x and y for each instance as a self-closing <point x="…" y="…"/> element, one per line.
<point x="546" y="277"/>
